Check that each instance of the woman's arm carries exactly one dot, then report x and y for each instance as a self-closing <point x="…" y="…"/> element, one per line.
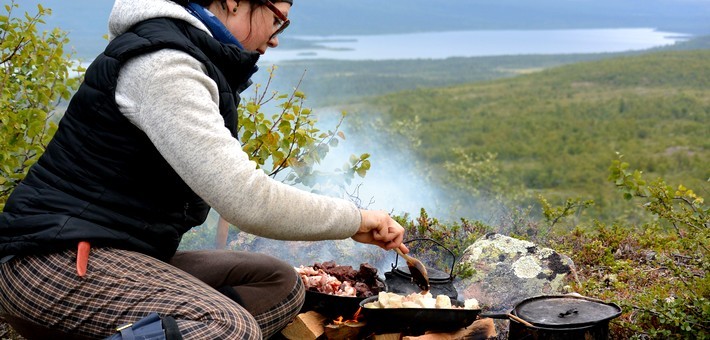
<point x="168" y="95"/>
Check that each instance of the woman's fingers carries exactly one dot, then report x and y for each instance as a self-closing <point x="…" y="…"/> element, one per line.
<point x="378" y="228"/>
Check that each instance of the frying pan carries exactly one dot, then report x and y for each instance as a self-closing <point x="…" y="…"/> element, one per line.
<point x="418" y="319"/>
<point x="333" y="306"/>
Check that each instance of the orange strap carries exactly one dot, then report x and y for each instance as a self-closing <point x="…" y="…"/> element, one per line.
<point x="82" y="258"/>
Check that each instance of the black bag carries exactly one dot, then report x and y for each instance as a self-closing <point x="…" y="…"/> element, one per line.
<point x="151" y="327"/>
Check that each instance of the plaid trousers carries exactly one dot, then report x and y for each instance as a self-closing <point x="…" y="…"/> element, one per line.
<point x="123" y="286"/>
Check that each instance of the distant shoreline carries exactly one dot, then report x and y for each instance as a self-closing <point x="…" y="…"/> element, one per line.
<point x="472" y="43"/>
<point x="483" y="43"/>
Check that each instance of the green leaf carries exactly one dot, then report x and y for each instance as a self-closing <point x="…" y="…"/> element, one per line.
<point x="252" y="108"/>
<point x="262" y="129"/>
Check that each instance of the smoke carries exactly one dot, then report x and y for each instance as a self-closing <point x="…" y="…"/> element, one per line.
<point x="395" y="183"/>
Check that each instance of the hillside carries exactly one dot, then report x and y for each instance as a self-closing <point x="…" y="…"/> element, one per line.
<point x="556" y="131"/>
<point x="330" y="82"/>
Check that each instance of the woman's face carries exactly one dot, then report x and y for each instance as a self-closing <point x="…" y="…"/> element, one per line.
<point x="255" y="31"/>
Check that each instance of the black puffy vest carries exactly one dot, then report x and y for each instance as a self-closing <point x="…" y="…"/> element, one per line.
<point x="100" y="178"/>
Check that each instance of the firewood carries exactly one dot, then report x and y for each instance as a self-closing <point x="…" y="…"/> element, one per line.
<point x="479" y="330"/>
<point x="308" y="325"/>
<point x="388" y="336"/>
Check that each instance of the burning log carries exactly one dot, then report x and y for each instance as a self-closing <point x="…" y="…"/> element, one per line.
<point x="479" y="330"/>
<point x="312" y="326"/>
<point x="341" y="329"/>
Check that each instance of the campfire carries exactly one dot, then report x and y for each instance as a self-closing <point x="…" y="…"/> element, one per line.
<point x="313" y="325"/>
<point x="355" y="319"/>
<point x="345" y="329"/>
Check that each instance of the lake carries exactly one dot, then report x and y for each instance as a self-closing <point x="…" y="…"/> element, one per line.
<point x="440" y="45"/>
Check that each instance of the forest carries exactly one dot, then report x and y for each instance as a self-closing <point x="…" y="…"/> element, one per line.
<point x="554" y="132"/>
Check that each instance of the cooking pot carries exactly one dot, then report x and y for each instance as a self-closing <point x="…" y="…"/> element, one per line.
<point x="559" y="317"/>
<point x="432" y="254"/>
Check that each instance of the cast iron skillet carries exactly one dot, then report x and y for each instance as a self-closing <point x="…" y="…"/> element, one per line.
<point x="418" y="319"/>
<point x="333" y="306"/>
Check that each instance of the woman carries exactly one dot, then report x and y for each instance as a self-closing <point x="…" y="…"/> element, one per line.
<point x="146" y="147"/>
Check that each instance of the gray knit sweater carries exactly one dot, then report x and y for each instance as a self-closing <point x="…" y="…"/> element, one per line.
<point x="168" y="95"/>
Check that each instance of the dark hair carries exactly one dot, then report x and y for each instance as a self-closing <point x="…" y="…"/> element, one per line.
<point x="206" y="3"/>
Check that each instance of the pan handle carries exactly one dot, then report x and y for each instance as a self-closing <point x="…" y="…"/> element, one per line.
<point x="507" y="316"/>
<point x="494" y="315"/>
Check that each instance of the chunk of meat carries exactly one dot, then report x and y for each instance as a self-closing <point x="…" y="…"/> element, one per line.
<point x="330" y="278"/>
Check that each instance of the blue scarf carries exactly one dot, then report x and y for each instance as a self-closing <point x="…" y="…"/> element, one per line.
<point x="216" y="27"/>
<point x="218" y="30"/>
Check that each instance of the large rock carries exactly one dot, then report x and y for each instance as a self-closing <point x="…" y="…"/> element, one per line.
<point x="509" y="270"/>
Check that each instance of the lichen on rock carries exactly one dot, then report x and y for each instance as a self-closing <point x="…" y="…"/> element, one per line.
<point x="509" y="270"/>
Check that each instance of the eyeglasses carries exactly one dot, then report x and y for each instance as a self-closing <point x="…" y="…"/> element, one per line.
<point x="283" y="20"/>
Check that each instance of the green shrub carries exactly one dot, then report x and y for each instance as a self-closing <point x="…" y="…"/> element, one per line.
<point x="36" y="76"/>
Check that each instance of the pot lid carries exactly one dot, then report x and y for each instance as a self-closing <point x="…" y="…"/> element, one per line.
<point x="565" y="311"/>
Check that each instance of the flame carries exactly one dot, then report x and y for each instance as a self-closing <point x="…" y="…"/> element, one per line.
<point x="357" y="314"/>
<point x="341" y="320"/>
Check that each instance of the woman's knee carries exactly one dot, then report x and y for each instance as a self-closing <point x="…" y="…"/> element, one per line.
<point x="279" y="269"/>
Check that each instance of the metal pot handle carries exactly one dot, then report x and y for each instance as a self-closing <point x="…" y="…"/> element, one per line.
<point x="453" y="257"/>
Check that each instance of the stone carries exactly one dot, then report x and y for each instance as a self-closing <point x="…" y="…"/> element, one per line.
<point x="509" y="270"/>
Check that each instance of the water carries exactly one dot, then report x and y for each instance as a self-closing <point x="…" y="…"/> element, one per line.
<point x="86" y="35"/>
<point x="440" y="45"/>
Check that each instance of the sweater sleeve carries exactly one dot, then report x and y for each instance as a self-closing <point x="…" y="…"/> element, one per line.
<point x="168" y="95"/>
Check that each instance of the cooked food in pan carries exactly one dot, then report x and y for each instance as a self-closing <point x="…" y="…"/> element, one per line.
<point x="417" y="300"/>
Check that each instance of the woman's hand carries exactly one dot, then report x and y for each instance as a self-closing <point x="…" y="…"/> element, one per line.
<point x="378" y="228"/>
